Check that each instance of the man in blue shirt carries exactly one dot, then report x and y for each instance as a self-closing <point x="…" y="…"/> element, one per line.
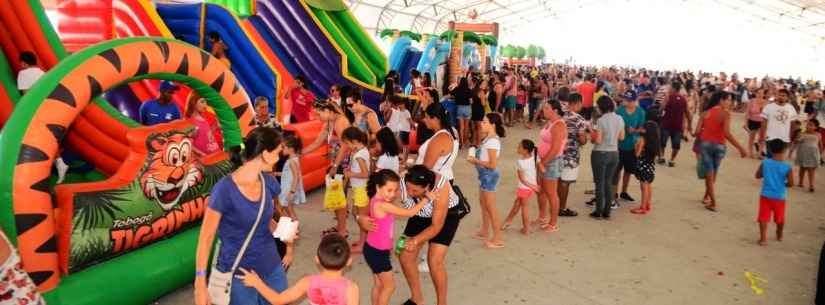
<point x="634" y="120"/>
<point x="160" y="110"/>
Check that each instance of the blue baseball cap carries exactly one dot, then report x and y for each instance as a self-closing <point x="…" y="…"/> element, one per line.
<point x="629" y="95"/>
<point x="168" y="85"/>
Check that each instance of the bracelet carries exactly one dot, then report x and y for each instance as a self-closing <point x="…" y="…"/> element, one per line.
<point x="200" y="273"/>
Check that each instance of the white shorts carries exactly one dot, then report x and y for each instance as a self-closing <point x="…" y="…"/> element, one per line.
<point x="569" y="174"/>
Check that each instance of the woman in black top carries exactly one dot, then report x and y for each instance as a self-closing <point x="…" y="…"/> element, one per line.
<point x="477" y="101"/>
<point x="462" y="94"/>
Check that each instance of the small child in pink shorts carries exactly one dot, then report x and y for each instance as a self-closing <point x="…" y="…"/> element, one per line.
<point x="527" y="185"/>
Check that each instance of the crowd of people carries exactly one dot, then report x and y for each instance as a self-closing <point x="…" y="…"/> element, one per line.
<point x="627" y="115"/>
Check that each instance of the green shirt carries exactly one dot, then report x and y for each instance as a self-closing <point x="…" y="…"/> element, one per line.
<point x="633" y="120"/>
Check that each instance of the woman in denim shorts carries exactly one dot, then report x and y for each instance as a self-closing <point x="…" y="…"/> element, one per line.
<point x="551" y="148"/>
<point x="462" y="94"/>
<point x="488" y="176"/>
<point x="714" y="129"/>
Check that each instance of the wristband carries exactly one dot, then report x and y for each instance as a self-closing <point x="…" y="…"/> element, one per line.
<point x="200" y="273"/>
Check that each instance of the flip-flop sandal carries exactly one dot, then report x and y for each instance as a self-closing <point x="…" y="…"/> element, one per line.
<point x="479" y="236"/>
<point x="506" y="226"/>
<point x="492" y="245"/>
<point x="711" y="208"/>
<point x="638" y="211"/>
<point x="540" y="221"/>
<point x="549" y="228"/>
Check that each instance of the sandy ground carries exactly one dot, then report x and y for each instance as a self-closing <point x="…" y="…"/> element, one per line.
<point x="679" y="254"/>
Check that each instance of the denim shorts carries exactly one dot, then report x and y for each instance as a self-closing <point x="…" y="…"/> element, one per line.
<point x="553" y="168"/>
<point x="712" y="155"/>
<point x="488" y="178"/>
<point x="674" y="136"/>
<point x="464" y="111"/>
<point x="247" y="295"/>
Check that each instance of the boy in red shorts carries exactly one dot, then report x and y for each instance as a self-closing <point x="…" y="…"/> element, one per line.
<point x="776" y="175"/>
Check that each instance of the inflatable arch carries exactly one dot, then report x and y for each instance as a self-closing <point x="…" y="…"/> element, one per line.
<point x="44" y="230"/>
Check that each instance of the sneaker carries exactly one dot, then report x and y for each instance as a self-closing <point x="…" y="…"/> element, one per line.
<point x="591" y="202"/>
<point x="606" y="216"/>
<point x="568" y="213"/>
<point x="660" y="161"/>
<point x="626" y="197"/>
<point x="614" y="205"/>
<point x="595" y="215"/>
<point x="671" y="164"/>
<point x="423" y="267"/>
<point x="62" y="169"/>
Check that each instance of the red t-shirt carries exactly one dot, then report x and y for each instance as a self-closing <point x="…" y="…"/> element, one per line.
<point x="587" y="89"/>
<point x="301" y="104"/>
<point x="674" y="117"/>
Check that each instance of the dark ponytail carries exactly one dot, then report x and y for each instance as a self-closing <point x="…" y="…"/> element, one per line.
<point x="258" y="141"/>
<point x="495" y="119"/>
<point x="436" y="111"/>
<point x="530" y="146"/>
<point x="379" y="179"/>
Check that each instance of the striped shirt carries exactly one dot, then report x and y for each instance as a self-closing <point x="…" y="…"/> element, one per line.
<point x="427" y="210"/>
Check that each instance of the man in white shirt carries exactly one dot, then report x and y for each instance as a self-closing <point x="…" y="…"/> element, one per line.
<point x="30" y="72"/>
<point x="777" y="118"/>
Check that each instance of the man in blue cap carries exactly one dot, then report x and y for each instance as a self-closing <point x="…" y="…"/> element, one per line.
<point x="634" y="121"/>
<point x="160" y="110"/>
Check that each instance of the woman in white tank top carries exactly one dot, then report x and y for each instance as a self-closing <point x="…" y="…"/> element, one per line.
<point x="439" y="152"/>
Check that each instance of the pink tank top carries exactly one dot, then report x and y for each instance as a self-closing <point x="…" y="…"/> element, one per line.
<point x="546" y="140"/>
<point x="381" y="238"/>
<point x="326" y="291"/>
<point x="754" y="111"/>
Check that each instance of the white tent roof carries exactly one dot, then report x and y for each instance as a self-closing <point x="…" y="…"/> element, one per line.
<point x="752" y="37"/>
<point x="432" y="16"/>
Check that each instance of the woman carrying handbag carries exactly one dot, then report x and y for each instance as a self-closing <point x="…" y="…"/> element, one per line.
<point x="240" y="214"/>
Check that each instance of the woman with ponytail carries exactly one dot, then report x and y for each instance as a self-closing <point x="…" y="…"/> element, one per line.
<point x="485" y="161"/>
<point x="438" y="153"/>
<point x="335" y="122"/>
<point x="437" y="223"/>
<point x="233" y="209"/>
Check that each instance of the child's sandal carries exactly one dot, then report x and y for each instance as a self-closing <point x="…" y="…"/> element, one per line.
<point x="506" y="226"/>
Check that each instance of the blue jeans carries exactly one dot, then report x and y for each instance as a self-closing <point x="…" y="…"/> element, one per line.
<point x="604" y="164"/>
<point x="242" y="295"/>
<point x="712" y="155"/>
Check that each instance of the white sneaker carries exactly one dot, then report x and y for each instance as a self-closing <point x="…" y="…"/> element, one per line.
<point x="614" y="205"/>
<point x="62" y="168"/>
<point x="423" y="267"/>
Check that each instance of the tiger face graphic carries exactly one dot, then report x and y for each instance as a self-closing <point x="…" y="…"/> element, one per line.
<point x="171" y="170"/>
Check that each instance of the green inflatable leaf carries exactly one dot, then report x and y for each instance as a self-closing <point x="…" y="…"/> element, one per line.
<point x="411" y="35"/>
<point x="386" y="33"/>
<point x="489" y="40"/>
<point x="327" y="5"/>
